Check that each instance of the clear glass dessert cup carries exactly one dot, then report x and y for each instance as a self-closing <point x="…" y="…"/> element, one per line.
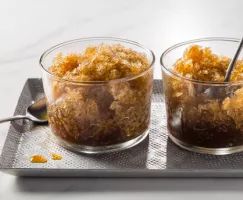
<point x="98" y="116"/>
<point x="196" y="120"/>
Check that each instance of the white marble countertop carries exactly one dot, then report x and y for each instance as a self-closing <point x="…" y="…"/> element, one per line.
<point x="30" y="27"/>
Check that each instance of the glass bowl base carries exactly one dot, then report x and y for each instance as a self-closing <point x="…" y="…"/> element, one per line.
<point x="211" y="151"/>
<point x="102" y="149"/>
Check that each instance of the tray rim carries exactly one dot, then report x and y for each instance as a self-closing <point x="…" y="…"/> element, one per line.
<point x="114" y="173"/>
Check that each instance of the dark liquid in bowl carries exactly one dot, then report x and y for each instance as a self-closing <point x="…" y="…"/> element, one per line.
<point x="116" y="136"/>
<point x="208" y="136"/>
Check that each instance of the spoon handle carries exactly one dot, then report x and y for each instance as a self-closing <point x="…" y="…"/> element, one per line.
<point x="13" y="118"/>
<point x="232" y="63"/>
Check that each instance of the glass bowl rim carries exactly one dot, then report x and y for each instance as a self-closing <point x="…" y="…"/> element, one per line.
<point x="51" y="49"/>
<point x="168" y="50"/>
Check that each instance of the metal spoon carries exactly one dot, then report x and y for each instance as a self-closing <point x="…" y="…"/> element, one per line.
<point x="36" y="112"/>
<point x="216" y="91"/>
<point x="232" y="63"/>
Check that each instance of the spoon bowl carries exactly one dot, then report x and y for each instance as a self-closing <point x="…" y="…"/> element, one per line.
<point x="36" y="112"/>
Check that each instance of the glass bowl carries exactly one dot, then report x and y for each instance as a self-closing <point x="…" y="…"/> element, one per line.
<point x="98" y="116"/>
<point x="196" y="120"/>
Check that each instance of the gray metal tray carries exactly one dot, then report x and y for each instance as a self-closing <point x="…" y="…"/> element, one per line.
<point x="156" y="156"/>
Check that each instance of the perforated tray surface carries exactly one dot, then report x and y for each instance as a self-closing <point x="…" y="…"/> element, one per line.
<point x="156" y="156"/>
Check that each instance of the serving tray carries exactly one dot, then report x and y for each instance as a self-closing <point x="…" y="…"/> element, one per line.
<point x="156" y="156"/>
